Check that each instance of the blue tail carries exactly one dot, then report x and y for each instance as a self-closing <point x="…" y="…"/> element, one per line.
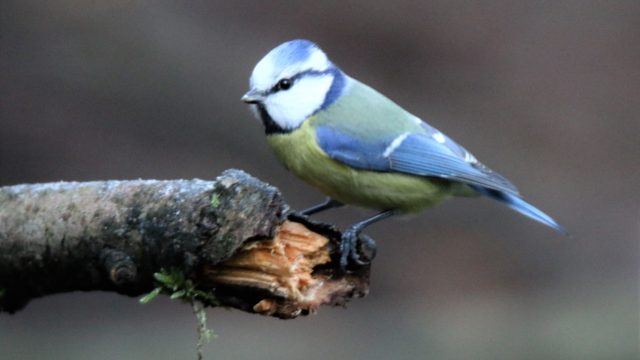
<point x="521" y="206"/>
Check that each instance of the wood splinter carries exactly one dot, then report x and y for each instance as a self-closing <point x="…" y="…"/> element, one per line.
<point x="290" y="275"/>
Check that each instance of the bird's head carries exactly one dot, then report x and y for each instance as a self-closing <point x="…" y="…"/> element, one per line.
<point x="292" y="82"/>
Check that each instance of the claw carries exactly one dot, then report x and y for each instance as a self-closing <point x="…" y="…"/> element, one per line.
<point x="363" y="251"/>
<point x="349" y="245"/>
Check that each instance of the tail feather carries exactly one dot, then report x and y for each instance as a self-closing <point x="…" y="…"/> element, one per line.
<point x="518" y="204"/>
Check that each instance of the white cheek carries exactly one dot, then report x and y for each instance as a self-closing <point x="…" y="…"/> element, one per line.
<point x="289" y="108"/>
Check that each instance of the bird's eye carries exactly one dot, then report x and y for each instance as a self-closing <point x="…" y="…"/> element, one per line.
<point x="283" y="84"/>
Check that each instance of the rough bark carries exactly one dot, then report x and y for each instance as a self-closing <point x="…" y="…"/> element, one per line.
<point x="233" y="237"/>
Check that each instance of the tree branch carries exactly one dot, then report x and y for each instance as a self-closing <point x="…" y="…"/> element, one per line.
<point x="231" y="237"/>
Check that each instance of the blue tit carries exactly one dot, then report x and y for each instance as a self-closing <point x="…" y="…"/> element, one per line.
<point x="359" y="147"/>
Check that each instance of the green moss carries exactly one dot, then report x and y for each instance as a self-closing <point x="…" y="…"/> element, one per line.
<point x="150" y="296"/>
<point x="215" y="200"/>
<point x="175" y="284"/>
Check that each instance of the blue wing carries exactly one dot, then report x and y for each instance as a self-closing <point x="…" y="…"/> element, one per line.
<point x="425" y="154"/>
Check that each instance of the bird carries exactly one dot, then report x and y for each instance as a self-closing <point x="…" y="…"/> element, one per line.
<point x="360" y="148"/>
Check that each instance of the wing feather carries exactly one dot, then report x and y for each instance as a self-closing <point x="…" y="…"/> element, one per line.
<point x="419" y="154"/>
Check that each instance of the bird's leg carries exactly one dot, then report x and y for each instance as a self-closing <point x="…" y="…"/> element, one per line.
<point x="350" y="238"/>
<point x="329" y="203"/>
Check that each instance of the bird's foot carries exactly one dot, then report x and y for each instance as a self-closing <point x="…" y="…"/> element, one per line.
<point x="356" y="249"/>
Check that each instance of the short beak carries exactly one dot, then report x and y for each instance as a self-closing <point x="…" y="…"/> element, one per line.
<point x="252" y="97"/>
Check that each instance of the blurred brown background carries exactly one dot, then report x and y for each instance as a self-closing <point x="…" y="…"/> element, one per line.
<point x="545" y="92"/>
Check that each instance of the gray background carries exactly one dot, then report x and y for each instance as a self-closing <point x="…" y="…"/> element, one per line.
<point x="545" y="92"/>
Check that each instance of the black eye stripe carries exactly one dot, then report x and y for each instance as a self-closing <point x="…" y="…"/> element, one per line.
<point x="292" y="80"/>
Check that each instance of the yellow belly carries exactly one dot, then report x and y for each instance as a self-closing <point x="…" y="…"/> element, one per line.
<point x="300" y="154"/>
